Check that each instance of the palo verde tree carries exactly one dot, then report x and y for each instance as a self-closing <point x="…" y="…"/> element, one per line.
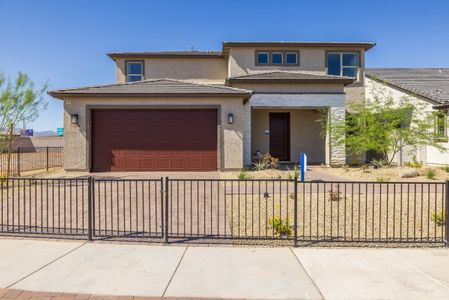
<point x="20" y="102"/>
<point x="385" y="126"/>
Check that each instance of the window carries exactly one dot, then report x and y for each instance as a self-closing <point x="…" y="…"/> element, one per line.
<point x="291" y="58"/>
<point x="277" y="58"/>
<point x="441" y="126"/>
<point x="134" y="71"/>
<point x="262" y="58"/>
<point x="343" y="64"/>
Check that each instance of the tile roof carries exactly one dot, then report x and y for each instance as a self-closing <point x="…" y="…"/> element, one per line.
<point x="286" y="76"/>
<point x="429" y="83"/>
<point x="152" y="87"/>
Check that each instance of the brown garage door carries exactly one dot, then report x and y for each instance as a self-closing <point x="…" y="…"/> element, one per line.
<point x="154" y="140"/>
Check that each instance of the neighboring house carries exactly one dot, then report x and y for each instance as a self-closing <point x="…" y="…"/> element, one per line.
<point x="430" y="86"/>
<point x="195" y="110"/>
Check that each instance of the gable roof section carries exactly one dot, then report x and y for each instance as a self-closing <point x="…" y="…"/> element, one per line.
<point x="163" y="87"/>
<point x="429" y="83"/>
<point x="290" y="77"/>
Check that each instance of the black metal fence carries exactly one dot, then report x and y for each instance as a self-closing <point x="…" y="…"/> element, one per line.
<point x="180" y="210"/>
<point x="25" y="159"/>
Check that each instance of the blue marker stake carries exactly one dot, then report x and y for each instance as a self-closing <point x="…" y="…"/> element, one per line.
<point x="302" y="163"/>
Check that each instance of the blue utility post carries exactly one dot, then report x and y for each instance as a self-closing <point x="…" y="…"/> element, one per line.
<point x="303" y="165"/>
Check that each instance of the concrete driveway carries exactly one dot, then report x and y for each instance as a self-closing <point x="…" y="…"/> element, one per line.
<point x="223" y="272"/>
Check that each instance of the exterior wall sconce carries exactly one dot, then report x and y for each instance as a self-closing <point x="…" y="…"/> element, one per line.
<point x="74" y="119"/>
<point x="230" y="118"/>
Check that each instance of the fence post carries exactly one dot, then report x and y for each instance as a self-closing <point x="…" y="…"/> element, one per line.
<point x="89" y="207"/>
<point x="446" y="216"/>
<point x="166" y="211"/>
<point x="295" y="212"/>
<point x="18" y="161"/>
<point x="46" y="160"/>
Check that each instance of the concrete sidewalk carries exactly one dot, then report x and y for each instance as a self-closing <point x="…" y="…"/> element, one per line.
<point x="223" y="272"/>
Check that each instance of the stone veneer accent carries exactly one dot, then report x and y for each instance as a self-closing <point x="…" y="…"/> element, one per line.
<point x="337" y="152"/>
<point x="335" y="155"/>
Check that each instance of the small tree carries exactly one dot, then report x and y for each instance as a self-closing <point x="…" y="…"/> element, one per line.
<point x="20" y="102"/>
<point x="385" y="126"/>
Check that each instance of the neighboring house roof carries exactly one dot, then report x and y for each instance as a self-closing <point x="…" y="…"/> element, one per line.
<point x="293" y="77"/>
<point x="153" y="87"/>
<point x="171" y="54"/>
<point x="429" y="83"/>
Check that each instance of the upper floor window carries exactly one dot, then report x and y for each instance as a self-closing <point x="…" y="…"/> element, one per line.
<point x="134" y="71"/>
<point x="277" y="58"/>
<point x="262" y="58"/>
<point x="291" y="58"/>
<point x="343" y="64"/>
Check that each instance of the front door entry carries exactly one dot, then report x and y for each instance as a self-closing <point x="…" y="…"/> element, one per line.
<point x="280" y="136"/>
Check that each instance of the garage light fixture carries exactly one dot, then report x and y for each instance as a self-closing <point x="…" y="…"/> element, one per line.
<point x="74" y="119"/>
<point x="230" y="119"/>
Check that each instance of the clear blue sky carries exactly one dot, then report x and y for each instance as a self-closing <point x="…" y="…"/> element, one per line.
<point x="65" y="42"/>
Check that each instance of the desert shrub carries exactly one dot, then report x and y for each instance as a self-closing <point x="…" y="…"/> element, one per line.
<point x="382" y="179"/>
<point x="365" y="169"/>
<point x="414" y="163"/>
<point x="439" y="218"/>
<point x="265" y="161"/>
<point x="295" y="173"/>
<point x="430" y="173"/>
<point x="335" y="196"/>
<point x="281" y="227"/>
<point x="378" y="163"/>
<point x="243" y="175"/>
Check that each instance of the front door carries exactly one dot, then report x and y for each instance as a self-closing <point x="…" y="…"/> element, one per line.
<point x="280" y="136"/>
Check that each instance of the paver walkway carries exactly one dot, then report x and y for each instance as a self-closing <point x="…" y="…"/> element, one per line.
<point x="84" y="269"/>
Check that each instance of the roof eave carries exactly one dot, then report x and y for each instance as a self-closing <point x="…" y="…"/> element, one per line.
<point x="62" y="95"/>
<point x="115" y="56"/>
<point x="249" y="80"/>
<point x="365" y="45"/>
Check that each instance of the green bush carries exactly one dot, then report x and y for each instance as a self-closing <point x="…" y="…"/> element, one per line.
<point x="430" y="173"/>
<point x="295" y="173"/>
<point x="378" y="163"/>
<point x="414" y="163"/>
<point x="439" y="218"/>
<point x="281" y="227"/>
<point x="243" y="175"/>
<point x="382" y="179"/>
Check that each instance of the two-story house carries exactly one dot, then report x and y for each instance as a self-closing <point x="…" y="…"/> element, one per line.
<point x="195" y="110"/>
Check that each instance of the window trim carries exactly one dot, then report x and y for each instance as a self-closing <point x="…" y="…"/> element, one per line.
<point x="358" y="78"/>
<point x="142" y="62"/>
<point x="444" y="137"/>
<point x="268" y="58"/>
<point x="284" y="59"/>
<point x="297" y="58"/>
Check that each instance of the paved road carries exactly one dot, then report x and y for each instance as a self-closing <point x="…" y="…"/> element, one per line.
<point x="223" y="272"/>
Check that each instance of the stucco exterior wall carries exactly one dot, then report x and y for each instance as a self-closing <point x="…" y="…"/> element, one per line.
<point x="77" y="137"/>
<point x="304" y="134"/>
<point x="428" y="155"/>
<point x="213" y="70"/>
<point x="311" y="59"/>
<point x="267" y="87"/>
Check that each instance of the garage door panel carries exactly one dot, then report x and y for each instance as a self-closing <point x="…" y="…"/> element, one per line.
<point x="154" y="140"/>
